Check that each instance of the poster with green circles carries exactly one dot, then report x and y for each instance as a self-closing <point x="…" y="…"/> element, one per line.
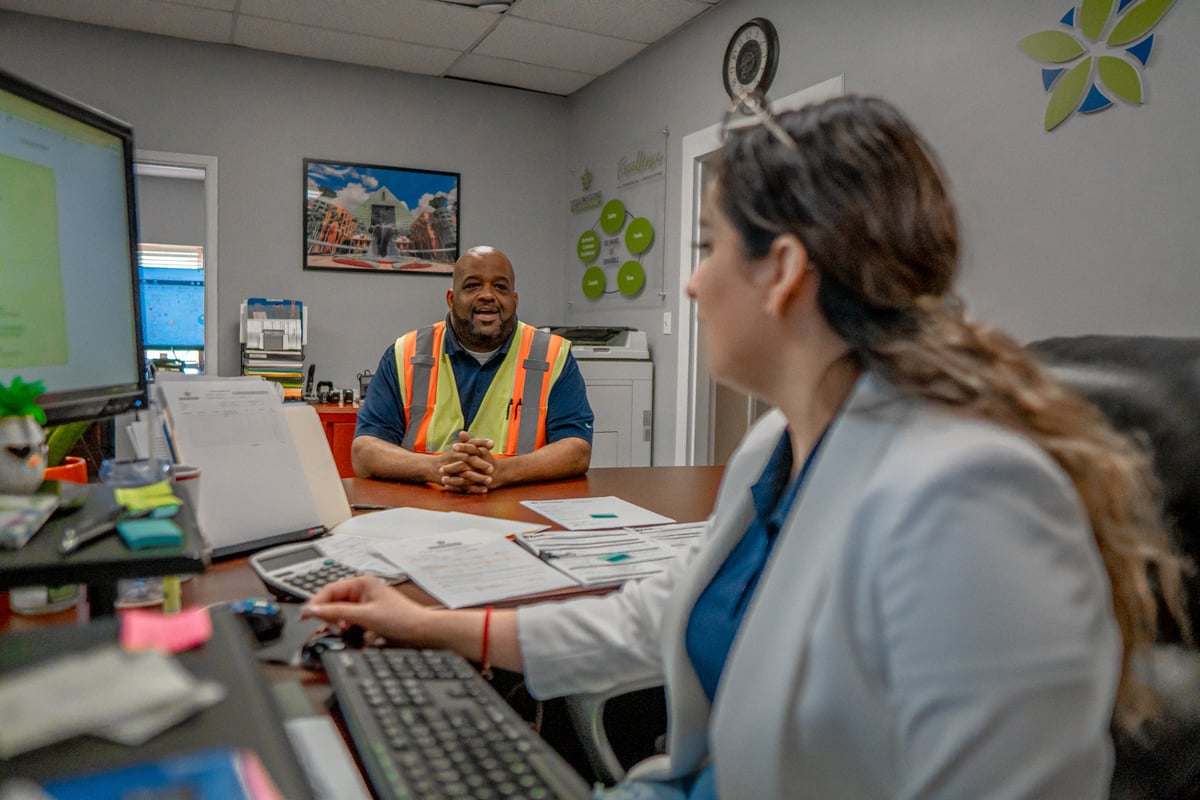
<point x="615" y="227"/>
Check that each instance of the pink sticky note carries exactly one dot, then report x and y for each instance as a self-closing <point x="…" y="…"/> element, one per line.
<point x="258" y="780"/>
<point x="169" y="633"/>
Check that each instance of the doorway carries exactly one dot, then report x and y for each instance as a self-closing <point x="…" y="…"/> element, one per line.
<point x="712" y="418"/>
<point x="180" y="171"/>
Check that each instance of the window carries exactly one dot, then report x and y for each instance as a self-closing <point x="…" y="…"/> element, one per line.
<point x="172" y="300"/>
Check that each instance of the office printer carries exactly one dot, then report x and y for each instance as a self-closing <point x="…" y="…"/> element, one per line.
<point x="611" y="343"/>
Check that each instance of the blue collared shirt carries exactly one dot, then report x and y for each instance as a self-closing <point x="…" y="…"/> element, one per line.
<point x="718" y="612"/>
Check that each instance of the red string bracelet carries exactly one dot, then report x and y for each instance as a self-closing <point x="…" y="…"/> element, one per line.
<point x="484" y="666"/>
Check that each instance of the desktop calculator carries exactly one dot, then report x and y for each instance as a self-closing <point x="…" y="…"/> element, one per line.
<point x="298" y="570"/>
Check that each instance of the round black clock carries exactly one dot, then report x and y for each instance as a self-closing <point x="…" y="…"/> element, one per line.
<point x="751" y="58"/>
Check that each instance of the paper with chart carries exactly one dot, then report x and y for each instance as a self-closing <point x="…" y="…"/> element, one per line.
<point x="613" y="556"/>
<point x="595" y="513"/>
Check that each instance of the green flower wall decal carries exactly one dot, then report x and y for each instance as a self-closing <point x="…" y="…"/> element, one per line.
<point x="1091" y="67"/>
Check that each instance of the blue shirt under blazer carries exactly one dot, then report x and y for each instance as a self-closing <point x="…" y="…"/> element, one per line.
<point x="934" y="622"/>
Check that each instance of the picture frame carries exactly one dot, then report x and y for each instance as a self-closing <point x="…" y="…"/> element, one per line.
<point x="373" y="218"/>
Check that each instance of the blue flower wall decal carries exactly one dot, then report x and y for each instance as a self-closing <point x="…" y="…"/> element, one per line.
<point x="1098" y="53"/>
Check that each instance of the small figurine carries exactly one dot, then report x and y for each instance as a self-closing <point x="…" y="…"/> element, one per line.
<point x="22" y="439"/>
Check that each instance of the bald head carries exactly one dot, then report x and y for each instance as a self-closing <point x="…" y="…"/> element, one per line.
<point x="483" y="300"/>
<point x="482" y="256"/>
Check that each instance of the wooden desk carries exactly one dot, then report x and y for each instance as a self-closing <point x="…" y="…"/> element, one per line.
<point x="683" y="493"/>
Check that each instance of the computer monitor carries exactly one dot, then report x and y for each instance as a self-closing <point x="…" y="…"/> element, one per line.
<point x="172" y="308"/>
<point x="69" y="312"/>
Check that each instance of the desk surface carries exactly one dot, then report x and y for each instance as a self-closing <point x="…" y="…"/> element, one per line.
<point x="683" y="493"/>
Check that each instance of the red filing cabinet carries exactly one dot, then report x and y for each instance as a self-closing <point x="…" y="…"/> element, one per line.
<point x="338" y="422"/>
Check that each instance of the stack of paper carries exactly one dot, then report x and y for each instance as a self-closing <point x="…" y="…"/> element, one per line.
<point x="144" y="693"/>
<point x="460" y="559"/>
<point x="610" y="557"/>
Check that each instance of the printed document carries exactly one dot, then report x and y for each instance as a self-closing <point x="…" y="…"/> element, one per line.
<point x="611" y="557"/>
<point x="471" y="567"/>
<point x="355" y="541"/>
<point x="595" y="513"/>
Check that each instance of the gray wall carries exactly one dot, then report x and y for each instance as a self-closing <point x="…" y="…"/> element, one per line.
<point x="1088" y="228"/>
<point x="261" y="114"/>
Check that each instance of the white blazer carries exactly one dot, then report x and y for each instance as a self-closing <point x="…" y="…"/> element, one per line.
<point x="935" y="621"/>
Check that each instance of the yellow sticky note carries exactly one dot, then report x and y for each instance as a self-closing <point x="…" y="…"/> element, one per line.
<point x="154" y="495"/>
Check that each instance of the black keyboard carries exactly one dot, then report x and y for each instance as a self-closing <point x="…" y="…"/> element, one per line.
<point x="426" y="725"/>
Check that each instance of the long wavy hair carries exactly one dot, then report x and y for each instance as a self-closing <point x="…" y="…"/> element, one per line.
<point x="866" y="197"/>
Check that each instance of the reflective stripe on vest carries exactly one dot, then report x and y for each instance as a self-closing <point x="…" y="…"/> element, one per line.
<point x="418" y="365"/>
<point x="513" y="410"/>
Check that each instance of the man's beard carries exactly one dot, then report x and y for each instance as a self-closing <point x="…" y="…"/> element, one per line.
<point x="470" y="338"/>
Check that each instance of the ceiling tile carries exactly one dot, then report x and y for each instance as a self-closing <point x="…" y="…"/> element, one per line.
<point x="550" y="46"/>
<point x="303" y="40"/>
<point x="417" y="21"/>
<point x="515" y="73"/>
<point x="521" y="48"/>
<point x="150" y="16"/>
<point x="639" y="20"/>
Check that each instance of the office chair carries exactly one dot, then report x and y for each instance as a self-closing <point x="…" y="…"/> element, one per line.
<point x="1149" y="387"/>
<point x="619" y="728"/>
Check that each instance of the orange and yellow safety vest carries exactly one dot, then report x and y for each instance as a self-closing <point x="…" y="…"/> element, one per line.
<point x="513" y="410"/>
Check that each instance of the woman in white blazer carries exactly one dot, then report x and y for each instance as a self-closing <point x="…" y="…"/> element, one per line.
<point x="926" y="572"/>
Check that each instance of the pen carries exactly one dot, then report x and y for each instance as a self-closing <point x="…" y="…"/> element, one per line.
<point x="76" y="538"/>
<point x="604" y="516"/>
<point x="547" y="555"/>
<point x="369" y="507"/>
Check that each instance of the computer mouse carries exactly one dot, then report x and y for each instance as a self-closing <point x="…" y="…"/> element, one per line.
<point x="322" y="642"/>
<point x="262" y="615"/>
<point x="326" y="640"/>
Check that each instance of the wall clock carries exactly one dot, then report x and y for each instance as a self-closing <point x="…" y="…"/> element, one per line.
<point x="751" y="58"/>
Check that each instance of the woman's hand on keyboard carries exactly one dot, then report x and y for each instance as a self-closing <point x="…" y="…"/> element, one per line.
<point x="371" y="604"/>
<point x="385" y="612"/>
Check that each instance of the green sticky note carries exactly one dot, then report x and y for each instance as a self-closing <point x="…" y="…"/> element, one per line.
<point x="149" y="532"/>
<point x="139" y="498"/>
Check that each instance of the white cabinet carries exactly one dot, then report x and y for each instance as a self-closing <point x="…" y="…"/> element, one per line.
<point x="622" y="397"/>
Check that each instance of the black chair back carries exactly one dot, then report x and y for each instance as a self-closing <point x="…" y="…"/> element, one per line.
<point x="1149" y="387"/>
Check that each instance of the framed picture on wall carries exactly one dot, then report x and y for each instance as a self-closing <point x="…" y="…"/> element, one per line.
<point x="370" y="218"/>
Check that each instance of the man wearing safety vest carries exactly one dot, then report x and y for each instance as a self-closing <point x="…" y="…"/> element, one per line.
<point x="479" y="400"/>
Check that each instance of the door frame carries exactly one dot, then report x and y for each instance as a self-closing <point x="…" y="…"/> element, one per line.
<point x="693" y="428"/>
<point x="188" y="166"/>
